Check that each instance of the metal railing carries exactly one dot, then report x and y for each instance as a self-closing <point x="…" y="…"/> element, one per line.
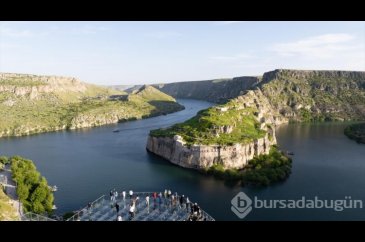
<point x="87" y="210"/>
<point x="35" y="217"/>
<point x="78" y="214"/>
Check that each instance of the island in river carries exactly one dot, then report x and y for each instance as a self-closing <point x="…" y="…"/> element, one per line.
<point x="229" y="136"/>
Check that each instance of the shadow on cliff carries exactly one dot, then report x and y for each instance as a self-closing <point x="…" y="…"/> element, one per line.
<point x="165" y="107"/>
<point x="164" y="166"/>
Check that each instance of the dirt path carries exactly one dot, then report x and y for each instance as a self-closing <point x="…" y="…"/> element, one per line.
<point x="10" y="188"/>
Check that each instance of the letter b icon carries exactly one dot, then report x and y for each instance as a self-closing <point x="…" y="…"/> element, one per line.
<point x="241" y="205"/>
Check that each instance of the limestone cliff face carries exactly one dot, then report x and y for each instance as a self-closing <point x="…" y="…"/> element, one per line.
<point x="266" y="114"/>
<point x="307" y="74"/>
<point x="26" y="129"/>
<point x="32" y="104"/>
<point x="92" y="120"/>
<point x="199" y="156"/>
<point x="33" y="85"/>
<point x="84" y="121"/>
<point x="204" y="156"/>
<point x="217" y="91"/>
<point x="277" y="97"/>
<point x="299" y="95"/>
<point x="316" y="95"/>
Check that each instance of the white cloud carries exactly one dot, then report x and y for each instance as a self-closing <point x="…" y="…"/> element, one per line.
<point x="164" y="34"/>
<point x="329" y="51"/>
<point x="322" y="46"/>
<point x="228" y="22"/>
<point x="12" y="32"/>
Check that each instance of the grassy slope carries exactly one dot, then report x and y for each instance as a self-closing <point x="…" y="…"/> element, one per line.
<point x="201" y="129"/>
<point x="7" y="211"/>
<point x="21" y="114"/>
<point x="321" y="98"/>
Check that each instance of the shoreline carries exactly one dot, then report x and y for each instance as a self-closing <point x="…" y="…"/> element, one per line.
<point x="58" y="129"/>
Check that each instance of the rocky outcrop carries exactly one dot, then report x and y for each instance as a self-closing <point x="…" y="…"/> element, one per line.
<point x="92" y="120"/>
<point x="308" y="74"/>
<point x="299" y="95"/>
<point x="204" y="156"/>
<point x="32" y="104"/>
<point x="277" y="97"/>
<point x="316" y="95"/>
<point x="33" y="85"/>
<point x="266" y="114"/>
<point x="217" y="91"/>
<point x="199" y="156"/>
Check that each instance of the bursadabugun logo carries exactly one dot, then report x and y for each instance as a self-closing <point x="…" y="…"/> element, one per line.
<point x="242" y="205"/>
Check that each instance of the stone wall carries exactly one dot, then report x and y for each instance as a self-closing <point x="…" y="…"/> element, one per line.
<point x="204" y="156"/>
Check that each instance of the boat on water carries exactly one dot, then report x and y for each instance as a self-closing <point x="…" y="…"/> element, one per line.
<point x="116" y="130"/>
<point x="290" y="153"/>
<point x="53" y="188"/>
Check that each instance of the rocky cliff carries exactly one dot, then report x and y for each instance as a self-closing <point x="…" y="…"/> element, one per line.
<point x="299" y="95"/>
<point x="316" y="95"/>
<point x="33" y="86"/>
<point x="230" y="134"/>
<point x="203" y="156"/>
<point x="32" y="104"/>
<point x="217" y="91"/>
<point x="278" y="97"/>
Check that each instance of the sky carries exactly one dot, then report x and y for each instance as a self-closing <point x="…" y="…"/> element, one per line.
<point x="127" y="53"/>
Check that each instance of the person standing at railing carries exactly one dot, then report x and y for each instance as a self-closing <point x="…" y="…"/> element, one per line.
<point x="172" y="201"/>
<point x="182" y="200"/>
<point x="124" y="194"/>
<point x="131" y="211"/>
<point x="165" y="196"/>
<point x="160" y="202"/>
<point x="117" y="208"/>
<point x="187" y="204"/>
<point x="136" y="203"/>
<point x="89" y="207"/>
<point x="148" y="203"/>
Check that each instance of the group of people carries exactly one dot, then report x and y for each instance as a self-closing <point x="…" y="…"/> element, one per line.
<point x="196" y="213"/>
<point x="167" y="199"/>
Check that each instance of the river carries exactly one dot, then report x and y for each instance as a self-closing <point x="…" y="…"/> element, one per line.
<point x="87" y="163"/>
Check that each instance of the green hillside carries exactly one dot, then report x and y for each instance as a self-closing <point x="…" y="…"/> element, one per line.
<point x="217" y="126"/>
<point x="33" y="104"/>
<point x="316" y="95"/>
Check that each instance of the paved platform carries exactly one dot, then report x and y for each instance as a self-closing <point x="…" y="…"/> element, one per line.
<point x="160" y="209"/>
